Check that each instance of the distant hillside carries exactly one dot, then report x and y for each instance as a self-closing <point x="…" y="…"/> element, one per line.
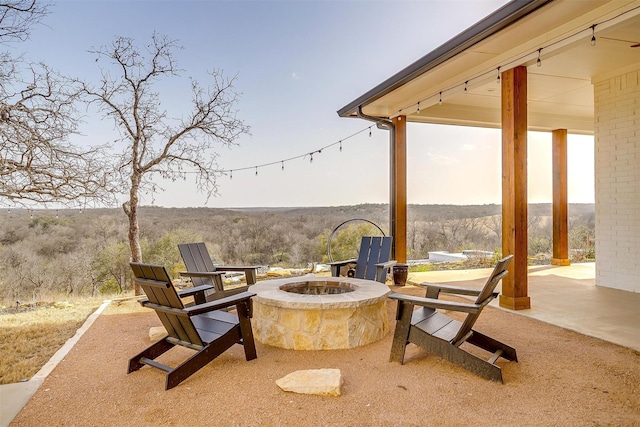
<point x="74" y="252"/>
<point x="367" y="211"/>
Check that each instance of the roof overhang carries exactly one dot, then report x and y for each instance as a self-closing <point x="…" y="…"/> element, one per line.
<point x="560" y="90"/>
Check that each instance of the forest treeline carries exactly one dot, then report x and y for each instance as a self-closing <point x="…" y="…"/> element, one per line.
<point x="47" y="252"/>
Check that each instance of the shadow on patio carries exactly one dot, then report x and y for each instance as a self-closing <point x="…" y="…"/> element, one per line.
<point x="566" y="297"/>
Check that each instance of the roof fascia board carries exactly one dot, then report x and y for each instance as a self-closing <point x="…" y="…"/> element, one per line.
<point x="490" y="25"/>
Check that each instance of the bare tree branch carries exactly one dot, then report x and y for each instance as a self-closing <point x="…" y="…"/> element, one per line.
<point x="156" y="144"/>
<point x="37" y="117"/>
<point x="17" y="17"/>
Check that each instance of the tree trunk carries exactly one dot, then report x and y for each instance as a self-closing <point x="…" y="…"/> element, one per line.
<point x="131" y="209"/>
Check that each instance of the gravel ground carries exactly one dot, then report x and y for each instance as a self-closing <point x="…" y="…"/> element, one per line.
<point x="562" y="379"/>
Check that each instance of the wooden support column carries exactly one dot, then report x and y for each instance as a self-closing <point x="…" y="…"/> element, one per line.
<point x="398" y="190"/>
<point x="514" y="188"/>
<point x="560" y="202"/>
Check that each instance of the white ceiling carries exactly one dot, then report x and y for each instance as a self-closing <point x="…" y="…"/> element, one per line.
<point x="560" y="90"/>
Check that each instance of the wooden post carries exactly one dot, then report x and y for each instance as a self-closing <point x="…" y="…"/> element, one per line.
<point x="398" y="191"/>
<point x="514" y="187"/>
<point x="560" y="203"/>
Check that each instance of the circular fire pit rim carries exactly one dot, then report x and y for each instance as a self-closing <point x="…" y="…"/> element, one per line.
<point x="366" y="292"/>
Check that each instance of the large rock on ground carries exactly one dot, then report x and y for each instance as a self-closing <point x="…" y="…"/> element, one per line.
<point x="323" y="382"/>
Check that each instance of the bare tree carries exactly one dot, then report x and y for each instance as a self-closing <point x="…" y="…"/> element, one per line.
<point x="18" y="16"/>
<point x="37" y="116"/>
<point x="155" y="143"/>
<point x="37" y="163"/>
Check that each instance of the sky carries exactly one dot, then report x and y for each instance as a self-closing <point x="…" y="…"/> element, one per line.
<point x="296" y="63"/>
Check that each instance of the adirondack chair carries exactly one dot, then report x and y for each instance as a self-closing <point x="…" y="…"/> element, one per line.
<point x="439" y="334"/>
<point x="204" y="328"/>
<point x="373" y="259"/>
<point x="203" y="271"/>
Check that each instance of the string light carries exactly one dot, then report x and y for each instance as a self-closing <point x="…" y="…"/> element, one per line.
<point x="539" y="59"/>
<point x="418" y="107"/>
<point x="310" y="157"/>
<point x="282" y="162"/>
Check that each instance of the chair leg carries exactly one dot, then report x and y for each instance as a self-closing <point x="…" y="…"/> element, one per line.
<point x="201" y="358"/>
<point x="244" y="311"/>
<point x="401" y="333"/>
<point x="492" y="345"/>
<point x="150" y="352"/>
<point x="456" y="355"/>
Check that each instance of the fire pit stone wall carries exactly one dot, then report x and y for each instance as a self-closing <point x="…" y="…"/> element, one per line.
<point x="319" y="322"/>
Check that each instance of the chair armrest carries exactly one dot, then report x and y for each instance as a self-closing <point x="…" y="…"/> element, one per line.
<point x="434" y="289"/>
<point x="215" y="276"/>
<point x="235" y="267"/>
<point x="335" y="266"/>
<point x="219" y="303"/>
<point x="194" y="290"/>
<point x="250" y="272"/>
<point x="200" y="273"/>
<point x="437" y="304"/>
<point x="387" y="264"/>
<point x="381" y="268"/>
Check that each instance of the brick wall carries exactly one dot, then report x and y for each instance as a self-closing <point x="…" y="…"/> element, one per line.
<point x="617" y="169"/>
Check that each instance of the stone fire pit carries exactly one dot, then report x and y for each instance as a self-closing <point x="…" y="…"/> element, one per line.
<point x="319" y="313"/>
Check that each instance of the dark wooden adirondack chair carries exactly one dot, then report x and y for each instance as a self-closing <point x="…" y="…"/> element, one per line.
<point x="439" y="334"/>
<point x="203" y="271"/>
<point x="201" y="327"/>
<point x="373" y="259"/>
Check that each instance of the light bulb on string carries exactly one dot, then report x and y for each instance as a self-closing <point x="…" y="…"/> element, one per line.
<point x="418" y="111"/>
<point x="593" y="35"/>
<point x="539" y="61"/>
<point x="283" y="165"/>
<point x="340" y="145"/>
<point x="310" y="157"/>
<point x="465" y="86"/>
<point x="498" y="78"/>
<point x="440" y="99"/>
<point x="256" y="171"/>
<point x="231" y="174"/>
<point x="369" y="131"/>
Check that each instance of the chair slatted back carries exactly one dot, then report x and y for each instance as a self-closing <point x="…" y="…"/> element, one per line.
<point x="373" y="250"/>
<point x="197" y="259"/>
<point x="485" y="296"/>
<point x="156" y="284"/>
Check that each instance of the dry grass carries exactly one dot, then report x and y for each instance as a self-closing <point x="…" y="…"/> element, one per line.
<point x="29" y="338"/>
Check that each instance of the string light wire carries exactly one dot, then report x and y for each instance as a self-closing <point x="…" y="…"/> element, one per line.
<point x="485" y="74"/>
<point x="301" y="156"/>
